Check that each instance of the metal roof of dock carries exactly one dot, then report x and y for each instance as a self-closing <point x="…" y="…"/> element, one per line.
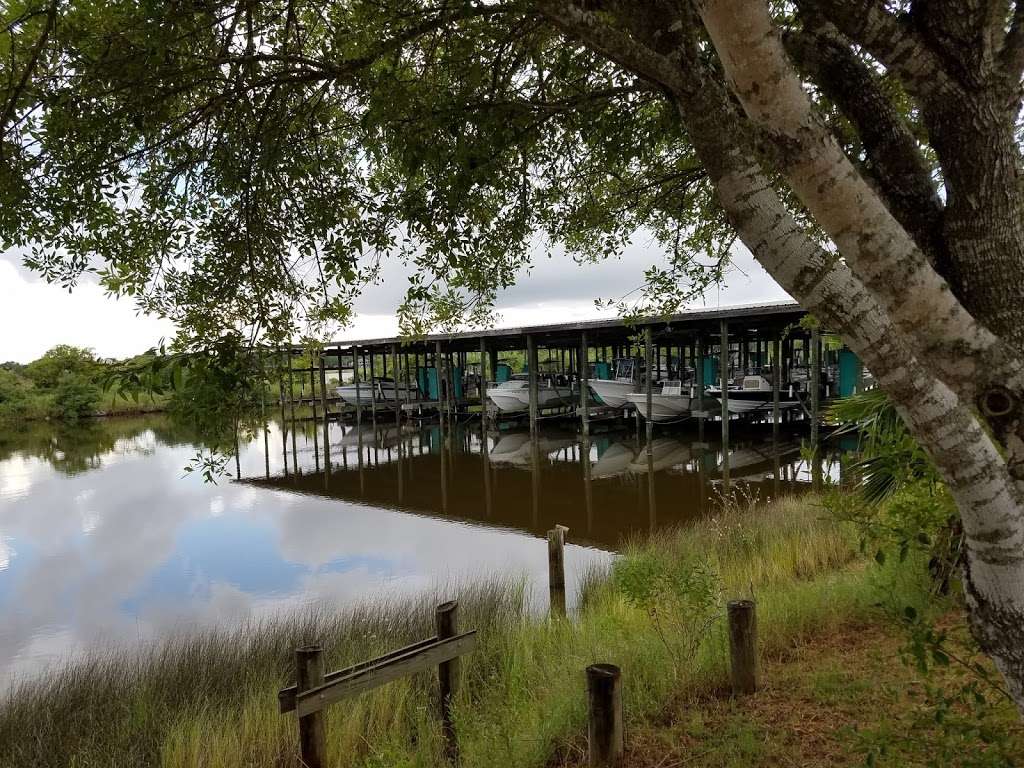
<point x="742" y="318"/>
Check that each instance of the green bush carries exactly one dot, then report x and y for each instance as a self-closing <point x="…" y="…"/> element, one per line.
<point x="74" y="397"/>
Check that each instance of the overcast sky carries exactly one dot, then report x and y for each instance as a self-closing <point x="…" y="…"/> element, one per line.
<point x="35" y="316"/>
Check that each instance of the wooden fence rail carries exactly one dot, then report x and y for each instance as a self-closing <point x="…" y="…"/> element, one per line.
<point x="315" y="690"/>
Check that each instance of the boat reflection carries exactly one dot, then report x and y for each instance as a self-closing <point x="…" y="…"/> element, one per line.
<point x="606" y="488"/>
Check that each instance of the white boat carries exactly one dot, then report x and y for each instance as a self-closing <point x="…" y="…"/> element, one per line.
<point x="665" y="452"/>
<point x="755" y="394"/>
<point x="613" y="461"/>
<point x="522" y="456"/>
<point x="388" y="388"/>
<point x="669" y="404"/>
<point x="504" y="395"/>
<point x="614" y="392"/>
<point x="365" y="392"/>
<point x="508" y="445"/>
<point x="548" y="396"/>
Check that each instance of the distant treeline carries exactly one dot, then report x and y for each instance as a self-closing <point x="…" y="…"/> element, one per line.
<point x="66" y="383"/>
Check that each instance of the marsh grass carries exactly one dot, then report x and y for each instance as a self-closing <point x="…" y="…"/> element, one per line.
<point x="209" y="698"/>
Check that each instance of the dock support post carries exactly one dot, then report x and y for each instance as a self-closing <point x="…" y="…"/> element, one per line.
<point x="291" y="411"/>
<point x="373" y="395"/>
<point x="483" y="387"/>
<point x="439" y="378"/>
<point x="531" y="357"/>
<point x="583" y="379"/>
<point x="556" y="569"/>
<point x="605" y="736"/>
<point x="649" y="387"/>
<point x="394" y="378"/>
<point x="723" y="362"/>
<point x="698" y="372"/>
<point x="815" y="405"/>
<point x="356" y="380"/>
<point x="447" y="622"/>
<point x="327" y="415"/>
<point x="743" y="646"/>
<point x="309" y="673"/>
<point x="776" y="384"/>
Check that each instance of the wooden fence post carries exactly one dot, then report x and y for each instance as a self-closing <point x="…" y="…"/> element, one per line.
<point x="556" y="569"/>
<point x="448" y="677"/>
<point x="743" y="646"/>
<point x="605" y="736"/>
<point x="309" y="671"/>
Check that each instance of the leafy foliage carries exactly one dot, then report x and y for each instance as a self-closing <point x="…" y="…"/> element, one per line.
<point x="249" y="166"/>
<point x="60" y="361"/>
<point x="682" y="599"/>
<point x="74" y="397"/>
<point x="889" y="457"/>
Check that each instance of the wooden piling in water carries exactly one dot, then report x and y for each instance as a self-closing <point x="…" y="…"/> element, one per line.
<point x="447" y="620"/>
<point x="556" y="569"/>
<point x="743" y="646"/>
<point x="309" y="673"/>
<point x="327" y="415"/>
<point x="398" y="402"/>
<point x="483" y="386"/>
<point x="815" y="405"/>
<point x="531" y="355"/>
<point x="605" y="732"/>
<point x="723" y="356"/>
<point x="584" y="385"/>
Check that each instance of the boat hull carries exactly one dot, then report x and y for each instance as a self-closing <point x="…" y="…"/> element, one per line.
<point x="505" y="396"/>
<point x="352" y="396"/>
<point x="547" y="397"/>
<point x="613" y="393"/>
<point x="663" y="407"/>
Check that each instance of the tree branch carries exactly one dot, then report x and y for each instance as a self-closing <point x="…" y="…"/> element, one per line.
<point x="1011" y="55"/>
<point x="879" y="251"/>
<point x="894" y="158"/>
<point x="889" y="39"/>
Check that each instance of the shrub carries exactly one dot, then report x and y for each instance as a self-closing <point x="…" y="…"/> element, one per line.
<point x="74" y="397"/>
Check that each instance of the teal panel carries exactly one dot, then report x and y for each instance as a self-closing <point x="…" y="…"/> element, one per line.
<point x="427" y="380"/>
<point x="504" y="372"/>
<point x="849" y="372"/>
<point x="602" y="370"/>
<point x="423" y="381"/>
<point x="710" y="371"/>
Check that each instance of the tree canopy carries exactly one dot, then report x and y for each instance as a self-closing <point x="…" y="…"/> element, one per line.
<point x="244" y="166"/>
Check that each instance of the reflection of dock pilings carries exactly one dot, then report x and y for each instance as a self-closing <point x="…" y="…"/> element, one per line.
<point x="606" y="486"/>
<point x="716" y="358"/>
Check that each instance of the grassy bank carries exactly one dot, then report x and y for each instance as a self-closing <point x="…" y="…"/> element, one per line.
<point x="210" y="699"/>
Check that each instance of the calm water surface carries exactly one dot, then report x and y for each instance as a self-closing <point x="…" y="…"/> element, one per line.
<point x="105" y="540"/>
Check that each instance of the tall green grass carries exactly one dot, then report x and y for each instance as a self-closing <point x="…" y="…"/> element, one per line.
<point x="209" y="699"/>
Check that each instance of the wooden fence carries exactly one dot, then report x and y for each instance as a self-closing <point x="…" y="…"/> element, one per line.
<point x="314" y="690"/>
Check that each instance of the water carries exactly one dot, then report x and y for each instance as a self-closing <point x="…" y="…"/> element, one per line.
<point x="105" y="540"/>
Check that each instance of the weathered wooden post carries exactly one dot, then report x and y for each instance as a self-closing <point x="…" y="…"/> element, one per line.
<point x="723" y="354"/>
<point x="327" y="414"/>
<point x="373" y="395"/>
<point x="815" y="405"/>
<point x="398" y="402"/>
<point x="309" y="672"/>
<point x="605" y="733"/>
<point x="583" y="371"/>
<point x="556" y="569"/>
<point x="531" y="362"/>
<point x="743" y="646"/>
<point x="483" y="386"/>
<point x="447" y="619"/>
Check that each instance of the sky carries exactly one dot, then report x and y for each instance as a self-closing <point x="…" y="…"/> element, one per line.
<point x="35" y="316"/>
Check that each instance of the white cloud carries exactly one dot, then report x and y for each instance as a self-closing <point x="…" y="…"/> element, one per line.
<point x="552" y="290"/>
<point x="37" y="316"/>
